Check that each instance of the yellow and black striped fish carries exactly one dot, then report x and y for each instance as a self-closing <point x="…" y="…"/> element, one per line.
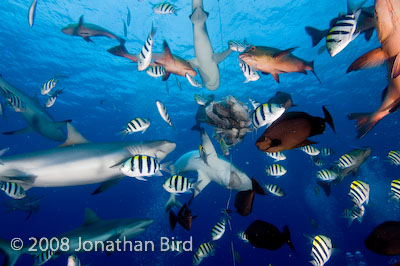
<point x="196" y="259"/>
<point x="44" y="257"/>
<point x="310" y="150"/>
<point x="218" y="230"/>
<point x="321" y="250"/>
<point x="327" y="151"/>
<point x="242" y="236"/>
<point x="156" y="71"/>
<point x="177" y="184"/>
<point x="275" y="190"/>
<point x="12" y="190"/>
<point x="205" y="250"/>
<point x="394" y="157"/>
<point x="278" y="156"/>
<point x="357" y="212"/>
<point x="137" y="125"/>
<point x="346" y="161"/>
<point x="395" y="188"/>
<point x="139" y="166"/>
<point x="359" y="192"/>
<point x="276" y="170"/>
<point x="326" y="175"/>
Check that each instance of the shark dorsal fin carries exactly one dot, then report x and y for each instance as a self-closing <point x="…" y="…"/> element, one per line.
<point x="208" y="147"/>
<point x="74" y="137"/>
<point x="90" y="217"/>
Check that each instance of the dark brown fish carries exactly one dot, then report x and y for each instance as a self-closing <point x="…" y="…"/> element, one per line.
<point x="265" y="235"/>
<point x="244" y="199"/>
<point x="184" y="218"/>
<point x="385" y="239"/>
<point x="291" y="131"/>
<point x="282" y="98"/>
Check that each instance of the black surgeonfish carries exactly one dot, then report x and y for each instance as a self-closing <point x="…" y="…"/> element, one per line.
<point x="385" y="239"/>
<point x="184" y="218"/>
<point x="265" y="235"/>
<point x="291" y="131"/>
<point x="244" y="199"/>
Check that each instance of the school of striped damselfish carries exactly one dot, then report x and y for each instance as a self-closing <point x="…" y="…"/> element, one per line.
<point x="79" y="162"/>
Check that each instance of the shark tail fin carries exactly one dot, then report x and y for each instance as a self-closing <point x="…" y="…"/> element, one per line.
<point x="11" y="256"/>
<point x="172" y="202"/>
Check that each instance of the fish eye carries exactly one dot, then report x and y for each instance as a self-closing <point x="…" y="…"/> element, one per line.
<point x="253" y="48"/>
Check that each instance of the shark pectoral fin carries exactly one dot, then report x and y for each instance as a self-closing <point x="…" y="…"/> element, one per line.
<point x="19" y="131"/>
<point x="208" y="147"/>
<point x="275" y="76"/>
<point x="219" y="57"/>
<point x="194" y="63"/>
<point x="74" y="137"/>
<point x="203" y="180"/>
<point x="90" y="217"/>
<point x="106" y="185"/>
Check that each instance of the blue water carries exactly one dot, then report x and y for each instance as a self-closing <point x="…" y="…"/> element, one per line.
<point x="30" y="56"/>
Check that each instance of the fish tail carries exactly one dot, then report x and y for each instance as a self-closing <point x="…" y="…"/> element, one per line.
<point x="166" y="167"/>
<point x="172" y="220"/>
<point x="11" y="256"/>
<point x="311" y="65"/>
<point x="365" y="122"/>
<point x="196" y="127"/>
<point x="257" y="188"/>
<point x="328" y="118"/>
<point x="286" y="233"/>
<point x="316" y="34"/>
<point x="172" y="202"/>
<point x="119" y="50"/>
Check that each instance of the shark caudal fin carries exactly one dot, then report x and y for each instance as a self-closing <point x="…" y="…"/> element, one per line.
<point x="365" y="122"/>
<point x="328" y="118"/>
<point x="316" y="34"/>
<point x="10" y="256"/>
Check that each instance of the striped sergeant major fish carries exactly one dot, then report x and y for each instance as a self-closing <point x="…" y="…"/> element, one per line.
<point x="394" y="157"/>
<point x="156" y="71"/>
<point x="12" y="189"/>
<point x="140" y="166"/>
<point x="192" y="81"/>
<point x="326" y="175"/>
<point x="73" y="260"/>
<point x="164" y="114"/>
<point x="275" y="190"/>
<point x="218" y="230"/>
<point x="136" y="125"/>
<point x="266" y="114"/>
<point x="326" y="151"/>
<point x="43" y="257"/>
<point x="249" y="73"/>
<point x="359" y="192"/>
<point x="278" y="156"/>
<point x="346" y="161"/>
<point x="317" y="161"/>
<point x="276" y="170"/>
<point x="48" y="86"/>
<point x="144" y="58"/>
<point x="205" y="250"/>
<point x="242" y="236"/>
<point x="310" y="150"/>
<point x="177" y="184"/>
<point x="196" y="259"/>
<point x="342" y="33"/>
<point x="32" y="13"/>
<point x="238" y="46"/>
<point x="53" y="97"/>
<point x="165" y="8"/>
<point x="395" y="190"/>
<point x="321" y="250"/>
<point x="356" y="212"/>
<point x="15" y="102"/>
<point x="203" y="154"/>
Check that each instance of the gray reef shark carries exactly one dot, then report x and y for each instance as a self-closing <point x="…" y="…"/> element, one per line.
<point x="206" y="61"/>
<point x="32" y="112"/>
<point x="77" y="162"/>
<point x="93" y="229"/>
<point x="216" y="169"/>
<point x="87" y="30"/>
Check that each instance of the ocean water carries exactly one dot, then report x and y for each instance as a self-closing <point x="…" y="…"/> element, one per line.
<point x="104" y="92"/>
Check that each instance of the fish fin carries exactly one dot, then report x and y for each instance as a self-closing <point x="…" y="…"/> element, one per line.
<point x="196" y="127"/>
<point x="371" y="59"/>
<point x="172" y="220"/>
<point x="326" y="187"/>
<point x="11" y="256"/>
<point x="396" y="67"/>
<point x="365" y="122"/>
<point x="275" y="76"/>
<point x="166" y="76"/>
<point x="29" y="215"/>
<point x="141" y="178"/>
<point x="311" y="64"/>
<point x="203" y="180"/>
<point x="355" y="171"/>
<point x="352" y="6"/>
<point x="384" y="93"/>
<point x="395" y="107"/>
<point x="106" y="185"/>
<point x="316" y="34"/>
<point x="194" y="63"/>
<point x="19" y="131"/>
<point x="275" y="142"/>
<point x="80" y="23"/>
<point x="2" y="153"/>
<point x="328" y="118"/>
<point x="208" y="146"/>
<point x="368" y="34"/>
<point x="305" y="143"/>
<point x="257" y="188"/>
<point x="86" y="38"/>
<point x="286" y="233"/>
<point x="172" y="202"/>
<point x="90" y="217"/>
<point x="284" y="53"/>
<point x="178" y="83"/>
<point x="219" y="57"/>
<point x="199" y="16"/>
<point x="74" y="137"/>
<point x="166" y="167"/>
<point x="63" y="123"/>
